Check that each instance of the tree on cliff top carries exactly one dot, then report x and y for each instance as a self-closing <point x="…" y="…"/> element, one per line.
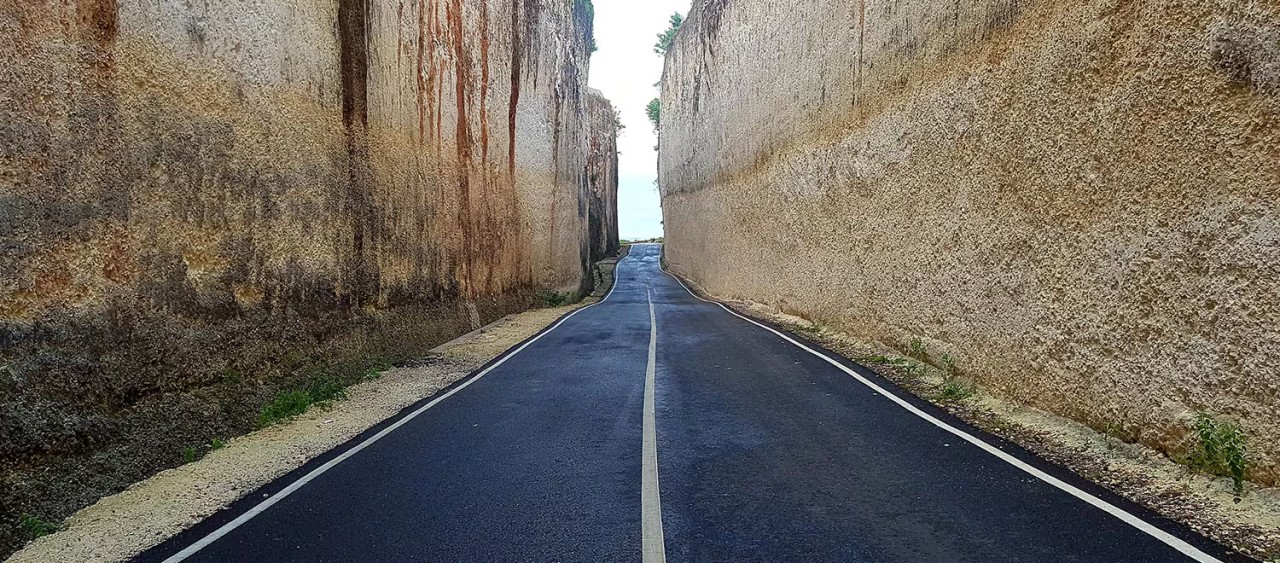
<point x="665" y="38"/>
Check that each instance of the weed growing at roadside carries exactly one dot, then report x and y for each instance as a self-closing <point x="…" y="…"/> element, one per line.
<point x="1112" y="436"/>
<point x="36" y="527"/>
<point x="327" y="389"/>
<point x="873" y="359"/>
<point x="916" y="349"/>
<point x="553" y="298"/>
<point x="914" y="369"/>
<point x="371" y="374"/>
<point x="906" y="365"/>
<point x="216" y="444"/>
<point x="188" y="454"/>
<point x="1222" y="449"/>
<point x="814" y="329"/>
<point x="948" y="366"/>
<point x="285" y="406"/>
<point x="321" y="392"/>
<point x="955" y="390"/>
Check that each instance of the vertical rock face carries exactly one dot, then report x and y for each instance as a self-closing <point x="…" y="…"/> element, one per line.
<point x="602" y="176"/>
<point x="202" y="203"/>
<point x="1075" y="200"/>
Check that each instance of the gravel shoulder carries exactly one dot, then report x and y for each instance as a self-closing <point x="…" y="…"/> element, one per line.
<point x="123" y="525"/>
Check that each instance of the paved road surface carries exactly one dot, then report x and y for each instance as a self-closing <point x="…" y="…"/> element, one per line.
<point x="763" y="451"/>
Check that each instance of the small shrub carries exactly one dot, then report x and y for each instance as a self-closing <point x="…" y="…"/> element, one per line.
<point x="955" y="390"/>
<point x="285" y="406"/>
<point x="1222" y="449"/>
<point x="326" y="389"/>
<point x="667" y="37"/>
<point x="552" y="298"/>
<point x="217" y="444"/>
<point x="36" y="527"/>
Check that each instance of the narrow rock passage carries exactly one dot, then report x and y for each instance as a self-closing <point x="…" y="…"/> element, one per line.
<point x="765" y="451"/>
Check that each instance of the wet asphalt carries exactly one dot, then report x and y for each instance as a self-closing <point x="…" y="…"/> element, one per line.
<point x="765" y="453"/>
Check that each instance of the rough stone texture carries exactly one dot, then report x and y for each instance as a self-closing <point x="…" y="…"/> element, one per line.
<point x="202" y="203"/>
<point x="602" y="176"/>
<point x="1075" y="200"/>
<point x="121" y="526"/>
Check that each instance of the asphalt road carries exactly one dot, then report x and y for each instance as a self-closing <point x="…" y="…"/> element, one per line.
<point x="752" y="448"/>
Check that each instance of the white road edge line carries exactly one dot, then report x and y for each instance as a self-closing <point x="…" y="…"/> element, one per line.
<point x="273" y="499"/>
<point x="654" y="550"/>
<point x="1130" y="519"/>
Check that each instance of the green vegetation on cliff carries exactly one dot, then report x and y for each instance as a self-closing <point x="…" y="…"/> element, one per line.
<point x="665" y="38"/>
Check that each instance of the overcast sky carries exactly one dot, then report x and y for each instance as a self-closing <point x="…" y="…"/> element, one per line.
<point x="625" y="68"/>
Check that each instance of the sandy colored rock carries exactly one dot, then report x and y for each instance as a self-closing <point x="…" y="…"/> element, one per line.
<point x="1077" y="201"/>
<point x="205" y="203"/>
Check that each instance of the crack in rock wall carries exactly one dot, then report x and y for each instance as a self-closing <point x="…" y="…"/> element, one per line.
<point x="204" y="203"/>
<point x="1075" y="200"/>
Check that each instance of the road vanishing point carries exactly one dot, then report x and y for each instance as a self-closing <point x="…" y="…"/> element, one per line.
<point x="656" y="426"/>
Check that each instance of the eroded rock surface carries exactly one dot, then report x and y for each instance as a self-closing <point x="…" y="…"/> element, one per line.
<point x="202" y="203"/>
<point x="1077" y="201"/>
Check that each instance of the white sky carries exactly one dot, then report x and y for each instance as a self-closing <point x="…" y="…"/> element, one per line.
<point x="625" y="68"/>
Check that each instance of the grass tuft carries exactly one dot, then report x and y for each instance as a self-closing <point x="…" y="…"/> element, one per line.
<point x="916" y="349"/>
<point x="814" y="330"/>
<point x="35" y="526"/>
<point x="321" y="392"/>
<point x="955" y="390"/>
<point x="217" y="444"/>
<point x="948" y="365"/>
<point x="1112" y="436"/>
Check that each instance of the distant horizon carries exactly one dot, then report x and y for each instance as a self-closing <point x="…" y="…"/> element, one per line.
<point x="625" y="69"/>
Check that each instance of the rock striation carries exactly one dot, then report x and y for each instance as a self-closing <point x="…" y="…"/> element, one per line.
<point x="205" y="203"/>
<point x="1077" y="201"/>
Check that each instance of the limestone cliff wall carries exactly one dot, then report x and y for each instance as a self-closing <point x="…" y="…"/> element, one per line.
<point x="1078" y="201"/>
<point x="202" y="203"/>
<point x="602" y="176"/>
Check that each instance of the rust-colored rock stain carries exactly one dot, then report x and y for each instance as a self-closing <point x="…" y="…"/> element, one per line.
<point x="191" y="223"/>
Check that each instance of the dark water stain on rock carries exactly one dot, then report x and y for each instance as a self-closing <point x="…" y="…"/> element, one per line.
<point x="1248" y="54"/>
<point x="166" y="268"/>
<point x="97" y="20"/>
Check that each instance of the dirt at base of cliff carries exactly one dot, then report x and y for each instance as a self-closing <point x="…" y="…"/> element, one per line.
<point x="123" y="525"/>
